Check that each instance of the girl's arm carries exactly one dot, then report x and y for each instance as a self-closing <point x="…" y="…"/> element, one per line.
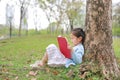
<point x="70" y="47"/>
<point x="77" y="55"/>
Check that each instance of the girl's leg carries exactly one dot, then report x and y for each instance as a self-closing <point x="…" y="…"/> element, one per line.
<point x="44" y="60"/>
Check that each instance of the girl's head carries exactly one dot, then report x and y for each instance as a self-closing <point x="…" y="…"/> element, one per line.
<point x="77" y="36"/>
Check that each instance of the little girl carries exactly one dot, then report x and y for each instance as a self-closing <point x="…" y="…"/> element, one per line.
<point x="54" y="58"/>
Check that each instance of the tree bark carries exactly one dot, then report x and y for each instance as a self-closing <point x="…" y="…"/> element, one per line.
<point x="21" y="17"/>
<point x="71" y="25"/>
<point x="98" y="43"/>
<point x="10" y="28"/>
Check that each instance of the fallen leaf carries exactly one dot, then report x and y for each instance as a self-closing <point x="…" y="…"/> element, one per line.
<point x="33" y="79"/>
<point x="55" y="72"/>
<point x="4" y="70"/>
<point x="6" y="78"/>
<point x="47" y="70"/>
<point x="16" y="78"/>
<point x="32" y="73"/>
<point x="27" y="75"/>
<point x="83" y="75"/>
<point x="70" y="73"/>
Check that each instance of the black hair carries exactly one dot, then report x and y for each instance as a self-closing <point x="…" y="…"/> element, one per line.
<point x="78" y="32"/>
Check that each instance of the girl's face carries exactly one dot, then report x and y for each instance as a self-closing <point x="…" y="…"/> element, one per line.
<point x="75" y="40"/>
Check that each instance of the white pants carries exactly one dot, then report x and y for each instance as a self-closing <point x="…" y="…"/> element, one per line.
<point x="55" y="57"/>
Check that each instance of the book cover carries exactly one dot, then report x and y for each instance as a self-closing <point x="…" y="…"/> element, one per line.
<point x="62" y="42"/>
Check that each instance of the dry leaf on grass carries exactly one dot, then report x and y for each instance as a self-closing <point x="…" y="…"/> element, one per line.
<point x="4" y="70"/>
<point x="6" y="78"/>
<point x="55" y="72"/>
<point x="33" y="79"/>
<point x="16" y="78"/>
<point x="70" y="73"/>
<point x="83" y="75"/>
<point x="32" y="73"/>
<point x="47" y="70"/>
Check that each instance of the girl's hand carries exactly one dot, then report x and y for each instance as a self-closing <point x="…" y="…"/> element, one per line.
<point x="70" y="47"/>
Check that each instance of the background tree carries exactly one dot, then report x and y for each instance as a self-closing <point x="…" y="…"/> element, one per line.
<point x="53" y="12"/>
<point x="98" y="43"/>
<point x="47" y="8"/>
<point x="73" y="10"/>
<point x="25" y="22"/>
<point x="116" y="19"/>
<point x="63" y="12"/>
<point x="23" y="8"/>
<point x="9" y="17"/>
<point x="116" y="15"/>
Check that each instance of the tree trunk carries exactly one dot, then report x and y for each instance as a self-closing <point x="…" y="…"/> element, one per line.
<point x="20" y="25"/>
<point x="71" y="25"/>
<point x="10" y="28"/>
<point x="98" y="43"/>
<point x="26" y="29"/>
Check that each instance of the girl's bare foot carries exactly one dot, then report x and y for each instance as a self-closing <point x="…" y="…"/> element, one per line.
<point x="36" y="64"/>
<point x="40" y="64"/>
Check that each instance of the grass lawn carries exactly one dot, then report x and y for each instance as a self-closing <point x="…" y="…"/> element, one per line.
<point x="116" y="45"/>
<point x="17" y="54"/>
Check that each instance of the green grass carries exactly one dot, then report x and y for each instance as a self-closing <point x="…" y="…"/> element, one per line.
<point x="116" y="30"/>
<point x="116" y="44"/>
<point x="17" y="54"/>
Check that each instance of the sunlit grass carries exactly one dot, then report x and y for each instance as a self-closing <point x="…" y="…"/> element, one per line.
<point x="23" y="46"/>
<point x="18" y="53"/>
<point x="116" y="46"/>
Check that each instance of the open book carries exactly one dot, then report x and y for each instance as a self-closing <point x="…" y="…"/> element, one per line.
<point x="62" y="42"/>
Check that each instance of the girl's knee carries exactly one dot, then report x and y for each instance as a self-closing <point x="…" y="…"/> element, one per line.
<point x="51" y="46"/>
